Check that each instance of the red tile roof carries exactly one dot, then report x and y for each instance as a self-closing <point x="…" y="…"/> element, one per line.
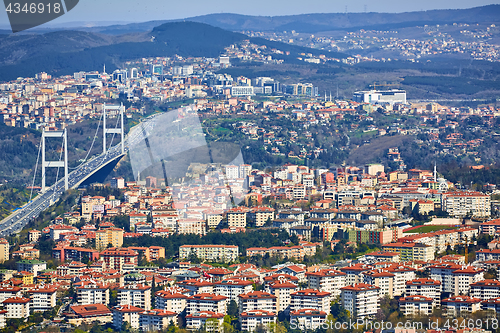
<point x="16" y="300"/>
<point x="91" y="310"/>
<point x="360" y="287"/>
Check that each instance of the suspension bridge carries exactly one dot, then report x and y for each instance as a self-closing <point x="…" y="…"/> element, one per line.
<point x="49" y="195"/>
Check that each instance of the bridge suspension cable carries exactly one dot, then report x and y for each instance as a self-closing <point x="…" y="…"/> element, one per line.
<point x="113" y="137"/>
<point x="57" y="173"/>
<point x="36" y="167"/>
<point x="92" y="144"/>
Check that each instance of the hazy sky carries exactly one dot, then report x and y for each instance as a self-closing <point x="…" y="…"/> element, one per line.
<point x="146" y="10"/>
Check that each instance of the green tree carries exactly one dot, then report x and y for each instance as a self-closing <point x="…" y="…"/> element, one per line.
<point x="113" y="298"/>
<point x="491" y="274"/>
<point x="232" y="309"/>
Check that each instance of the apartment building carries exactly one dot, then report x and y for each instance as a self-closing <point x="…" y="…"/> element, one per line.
<point x="257" y="300"/>
<point x="43" y="298"/>
<point x="252" y="318"/>
<point x="118" y="258"/>
<point x="414" y="305"/>
<point x="485" y="289"/>
<point x="220" y="253"/>
<point x="9" y="291"/>
<point x="138" y="295"/>
<point x="491" y="227"/>
<point x="232" y="288"/>
<point x="375" y="236"/>
<point x="208" y="320"/>
<point x="32" y="266"/>
<point x="57" y="230"/>
<point x="196" y="286"/>
<point x="260" y="215"/>
<point x="310" y="299"/>
<point x="206" y="302"/>
<point x="156" y="252"/>
<point x="66" y="253"/>
<point x="156" y="320"/>
<point x="296" y="252"/>
<point x="458" y="305"/>
<point x="487" y="254"/>
<point x="327" y="280"/>
<point x="219" y="273"/>
<point x="4" y="250"/>
<point x="17" y="307"/>
<point x="191" y="226"/>
<point x="425" y="287"/>
<point x="411" y="251"/>
<point x="135" y="218"/>
<point x="361" y="300"/>
<point x="237" y="217"/>
<point x="465" y="277"/>
<point x="34" y="235"/>
<point x="280" y="277"/>
<point x="456" y="279"/>
<point x="282" y="289"/>
<point x="92" y="292"/>
<point x="213" y="218"/>
<point x="126" y="314"/>
<point x="460" y="203"/>
<point x="441" y="239"/>
<point x="381" y="278"/>
<point x="171" y="300"/>
<point x="307" y="319"/>
<point x="113" y="236"/>
<point x="298" y="271"/>
<point x="354" y="273"/>
<point x="402" y="274"/>
<point x="491" y="304"/>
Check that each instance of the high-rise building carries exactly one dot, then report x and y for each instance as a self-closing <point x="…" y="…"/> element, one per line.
<point x="117" y="182"/>
<point x="4" y="250"/>
<point x="113" y="236"/>
<point x="360" y="300"/>
<point x="232" y="171"/>
<point x="156" y="69"/>
<point x="133" y="73"/>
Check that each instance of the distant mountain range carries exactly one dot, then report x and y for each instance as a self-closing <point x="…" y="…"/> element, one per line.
<point x="60" y="52"/>
<point x="310" y="23"/>
<point x="324" y="22"/>
<point x="66" y="52"/>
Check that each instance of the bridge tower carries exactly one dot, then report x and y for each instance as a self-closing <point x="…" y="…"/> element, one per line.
<point x="112" y="130"/>
<point x="55" y="164"/>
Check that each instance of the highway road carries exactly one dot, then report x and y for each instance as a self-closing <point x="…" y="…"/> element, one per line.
<point x="15" y="222"/>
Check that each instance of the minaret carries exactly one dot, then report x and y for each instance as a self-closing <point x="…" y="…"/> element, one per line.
<point x="104" y="70"/>
<point x="435" y="172"/>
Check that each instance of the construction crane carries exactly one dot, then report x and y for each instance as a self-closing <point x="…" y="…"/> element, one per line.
<point x="467" y="249"/>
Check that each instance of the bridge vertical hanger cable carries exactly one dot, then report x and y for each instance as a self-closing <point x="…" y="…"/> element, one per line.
<point x="57" y="173"/>
<point x="92" y="144"/>
<point x="36" y="167"/>
<point x="113" y="137"/>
